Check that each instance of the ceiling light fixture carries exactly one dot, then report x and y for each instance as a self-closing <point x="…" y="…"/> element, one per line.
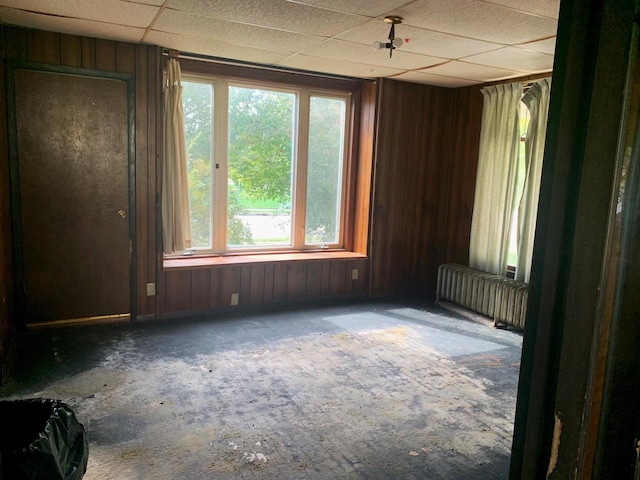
<point x="393" y="42"/>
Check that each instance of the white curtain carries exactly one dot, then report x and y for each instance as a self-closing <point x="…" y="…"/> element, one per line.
<point x="495" y="183"/>
<point x="176" y="227"/>
<point x="537" y="101"/>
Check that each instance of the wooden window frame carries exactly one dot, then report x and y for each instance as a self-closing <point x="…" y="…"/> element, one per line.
<point x="358" y="161"/>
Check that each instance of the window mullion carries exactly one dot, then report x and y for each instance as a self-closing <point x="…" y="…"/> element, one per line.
<point x="220" y="165"/>
<point x="300" y="171"/>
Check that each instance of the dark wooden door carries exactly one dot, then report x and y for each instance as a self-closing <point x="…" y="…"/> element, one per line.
<point x="72" y="162"/>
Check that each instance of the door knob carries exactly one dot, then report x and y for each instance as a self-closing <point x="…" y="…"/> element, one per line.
<point x="121" y="214"/>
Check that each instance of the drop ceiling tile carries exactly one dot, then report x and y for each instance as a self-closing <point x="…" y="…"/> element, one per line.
<point x="189" y="24"/>
<point x="515" y="59"/>
<point x="355" y="52"/>
<point x="117" y="12"/>
<point x="425" y="42"/>
<point x="543" y="46"/>
<point x="477" y="19"/>
<point x="150" y="2"/>
<point x="73" y="26"/>
<point x="436" y="80"/>
<point x="471" y="71"/>
<point x="207" y="46"/>
<point x="280" y="14"/>
<point x="337" y="67"/>
<point x="370" y="8"/>
<point x="546" y="8"/>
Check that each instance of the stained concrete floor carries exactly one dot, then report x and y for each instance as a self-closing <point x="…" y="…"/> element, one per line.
<point x="359" y="391"/>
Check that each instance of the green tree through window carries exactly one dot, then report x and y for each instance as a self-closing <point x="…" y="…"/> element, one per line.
<point x="262" y="130"/>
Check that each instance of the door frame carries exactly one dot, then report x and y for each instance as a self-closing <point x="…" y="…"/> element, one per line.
<point x="14" y="173"/>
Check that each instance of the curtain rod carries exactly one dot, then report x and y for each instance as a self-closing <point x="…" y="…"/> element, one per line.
<point x="241" y="63"/>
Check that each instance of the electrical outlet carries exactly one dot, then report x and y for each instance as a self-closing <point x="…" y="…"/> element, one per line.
<point x="151" y="289"/>
<point x="354" y="274"/>
<point x="235" y="297"/>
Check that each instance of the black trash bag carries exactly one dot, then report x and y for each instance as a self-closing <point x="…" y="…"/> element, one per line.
<point x="41" y="439"/>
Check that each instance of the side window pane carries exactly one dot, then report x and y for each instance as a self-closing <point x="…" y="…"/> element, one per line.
<point x="324" y="177"/>
<point x="197" y="101"/>
<point x="261" y="129"/>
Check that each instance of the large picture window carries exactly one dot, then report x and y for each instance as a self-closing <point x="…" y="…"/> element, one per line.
<point x="266" y="165"/>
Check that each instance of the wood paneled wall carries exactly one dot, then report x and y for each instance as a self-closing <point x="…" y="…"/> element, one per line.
<point x="196" y="289"/>
<point x="6" y="255"/>
<point x="426" y="155"/>
<point x="204" y="288"/>
<point x="142" y="61"/>
<point x="426" y="160"/>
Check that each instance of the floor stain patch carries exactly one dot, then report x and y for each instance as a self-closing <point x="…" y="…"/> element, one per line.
<point x="301" y="398"/>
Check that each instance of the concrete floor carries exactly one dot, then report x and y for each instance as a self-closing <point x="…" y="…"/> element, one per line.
<point x="360" y="391"/>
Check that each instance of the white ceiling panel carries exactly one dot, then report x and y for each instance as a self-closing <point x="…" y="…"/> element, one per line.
<point x="470" y="71"/>
<point x="189" y="24"/>
<point x="547" y="46"/>
<point x="280" y="14"/>
<point x="355" y="52"/>
<point x="117" y="12"/>
<point x="73" y="26"/>
<point x="426" y="42"/>
<point x="450" y="42"/>
<point x="206" y="46"/>
<point x="514" y="58"/>
<point x="337" y="67"/>
<point x="477" y="19"/>
<point x="437" y="80"/>
<point x="370" y="8"/>
<point x="149" y="2"/>
<point x="547" y="8"/>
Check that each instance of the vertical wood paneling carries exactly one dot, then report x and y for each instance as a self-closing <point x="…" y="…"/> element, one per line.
<point x="268" y="283"/>
<point x="280" y="282"/>
<point x="229" y="284"/>
<point x="106" y="55"/>
<point x="153" y="92"/>
<point x="142" y="173"/>
<point x="465" y="134"/>
<point x="386" y="100"/>
<point x="296" y="280"/>
<point x="359" y="286"/>
<point x="43" y="47"/>
<point x="200" y="290"/>
<point x="314" y="279"/>
<point x="426" y="154"/>
<point x="15" y="43"/>
<point x="325" y="279"/>
<point x="178" y="291"/>
<point x="215" y="292"/>
<point x="88" y="53"/>
<point x="256" y="291"/>
<point x="125" y="57"/>
<point x="348" y="280"/>
<point x="71" y="51"/>
<point x="6" y="250"/>
<point x="336" y="277"/>
<point x="245" y="285"/>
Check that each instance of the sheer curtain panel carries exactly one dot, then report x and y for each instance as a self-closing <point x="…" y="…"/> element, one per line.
<point x="176" y="228"/>
<point x="495" y="184"/>
<point x="537" y="101"/>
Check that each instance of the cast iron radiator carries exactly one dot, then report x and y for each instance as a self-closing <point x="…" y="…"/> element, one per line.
<point x="500" y="298"/>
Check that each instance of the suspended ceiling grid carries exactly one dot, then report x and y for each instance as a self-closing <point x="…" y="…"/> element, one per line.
<point x="449" y="43"/>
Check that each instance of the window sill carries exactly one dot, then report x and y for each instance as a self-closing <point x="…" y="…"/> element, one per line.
<point x="191" y="263"/>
